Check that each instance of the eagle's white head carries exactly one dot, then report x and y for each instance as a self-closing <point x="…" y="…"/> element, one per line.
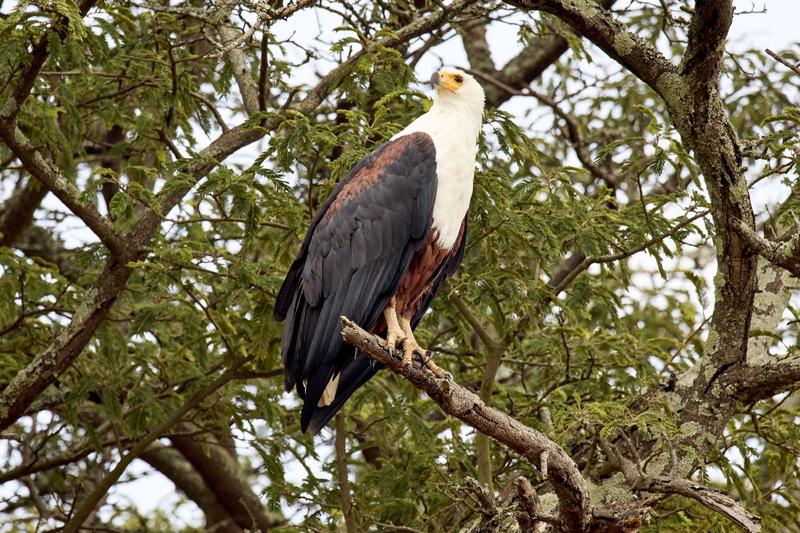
<point x="456" y="88"/>
<point x="453" y="123"/>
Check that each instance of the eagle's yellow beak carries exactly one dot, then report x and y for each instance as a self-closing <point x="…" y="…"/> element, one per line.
<point x="446" y="81"/>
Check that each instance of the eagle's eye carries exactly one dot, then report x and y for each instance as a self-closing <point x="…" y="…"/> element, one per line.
<point x="459" y="79"/>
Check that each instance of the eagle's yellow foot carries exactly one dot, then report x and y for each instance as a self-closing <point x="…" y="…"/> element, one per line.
<point x="438" y="371"/>
<point x="394" y="333"/>
<point x="411" y="347"/>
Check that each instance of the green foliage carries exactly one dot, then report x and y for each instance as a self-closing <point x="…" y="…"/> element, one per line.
<point x="591" y="356"/>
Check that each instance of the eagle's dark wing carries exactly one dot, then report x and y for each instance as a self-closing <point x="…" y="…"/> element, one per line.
<point x="351" y="261"/>
<point x="362" y="368"/>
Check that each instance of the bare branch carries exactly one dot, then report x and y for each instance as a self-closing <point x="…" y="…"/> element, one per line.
<point x="17" y="213"/>
<point x="590" y="20"/>
<point x="211" y="107"/>
<point x="708" y="31"/>
<point x="783" y="254"/>
<point x="711" y="498"/>
<point x="170" y="463"/>
<point x="241" y="70"/>
<point x="523" y="69"/>
<point x="477" y="47"/>
<point x="487" y="339"/>
<point x="222" y="476"/>
<point x="563" y="474"/>
<point x="779" y="58"/>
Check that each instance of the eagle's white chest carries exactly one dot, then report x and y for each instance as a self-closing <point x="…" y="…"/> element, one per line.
<point x="455" y="138"/>
<point x="455" y="172"/>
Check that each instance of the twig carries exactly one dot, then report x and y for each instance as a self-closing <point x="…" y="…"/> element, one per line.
<point x="586" y="262"/>
<point x="780" y="59"/>
<point x="211" y="107"/>
<point x="530" y="516"/>
<point x="262" y="71"/>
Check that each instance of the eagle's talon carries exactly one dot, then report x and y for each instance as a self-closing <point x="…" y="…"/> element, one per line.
<point x="438" y="371"/>
<point x="422" y="355"/>
<point x="426" y="357"/>
<point x="394" y="333"/>
<point x="392" y="340"/>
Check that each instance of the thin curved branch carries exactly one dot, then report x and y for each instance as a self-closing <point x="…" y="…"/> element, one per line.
<point x="711" y="498"/>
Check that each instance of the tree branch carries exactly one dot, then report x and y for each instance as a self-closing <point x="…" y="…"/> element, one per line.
<point x="562" y="473"/>
<point x="88" y="505"/>
<point x="708" y="31"/>
<point x="241" y="70"/>
<point x="37" y="59"/>
<point x="783" y="254"/>
<point x="597" y="24"/>
<point x="65" y="348"/>
<point x="711" y="498"/>
<point x="52" y="178"/>
<point x="17" y="213"/>
<point x="780" y="59"/>
<point x="477" y="47"/>
<point x="222" y="476"/>
<point x="171" y="464"/>
<point x="341" y="472"/>
<point x="523" y="69"/>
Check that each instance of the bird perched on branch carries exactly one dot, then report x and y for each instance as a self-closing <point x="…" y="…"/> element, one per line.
<point x="379" y="248"/>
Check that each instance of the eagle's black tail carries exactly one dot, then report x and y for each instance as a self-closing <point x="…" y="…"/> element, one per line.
<point x="355" y="374"/>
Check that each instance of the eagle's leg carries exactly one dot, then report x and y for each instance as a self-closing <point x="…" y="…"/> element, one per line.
<point x="394" y="332"/>
<point x="411" y="347"/>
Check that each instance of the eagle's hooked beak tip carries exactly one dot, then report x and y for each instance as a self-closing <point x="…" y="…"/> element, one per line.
<point x="435" y="79"/>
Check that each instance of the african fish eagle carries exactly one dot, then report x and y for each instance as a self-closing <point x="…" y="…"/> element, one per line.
<point x="379" y="248"/>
